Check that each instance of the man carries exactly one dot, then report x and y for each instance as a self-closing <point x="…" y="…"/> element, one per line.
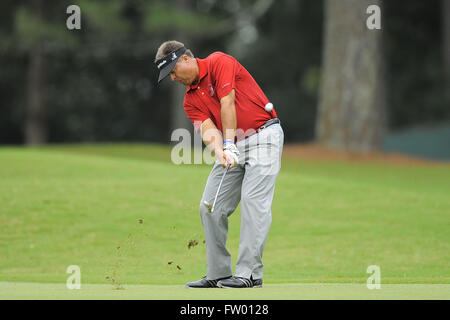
<point x="238" y="123"/>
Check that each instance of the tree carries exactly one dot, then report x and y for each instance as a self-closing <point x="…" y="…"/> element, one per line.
<point x="446" y="42"/>
<point x="35" y="36"/>
<point x="35" y="128"/>
<point x="351" y="111"/>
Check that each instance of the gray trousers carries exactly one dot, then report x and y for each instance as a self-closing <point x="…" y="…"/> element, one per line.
<point x="252" y="183"/>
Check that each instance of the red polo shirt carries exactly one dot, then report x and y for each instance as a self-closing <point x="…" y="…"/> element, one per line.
<point x="219" y="73"/>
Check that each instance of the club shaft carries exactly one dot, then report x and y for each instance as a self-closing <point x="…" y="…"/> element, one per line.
<point x="220" y="185"/>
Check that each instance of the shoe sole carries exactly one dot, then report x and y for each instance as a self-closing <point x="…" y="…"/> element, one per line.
<point x="225" y="287"/>
<point x="189" y="287"/>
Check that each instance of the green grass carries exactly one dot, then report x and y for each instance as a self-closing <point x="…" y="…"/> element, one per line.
<point x="81" y="204"/>
<point x="295" y="291"/>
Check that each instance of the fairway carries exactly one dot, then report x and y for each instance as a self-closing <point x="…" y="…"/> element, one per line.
<point x="308" y="291"/>
<point x="125" y="214"/>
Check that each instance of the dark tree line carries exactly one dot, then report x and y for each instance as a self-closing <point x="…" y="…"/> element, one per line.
<point x="99" y="83"/>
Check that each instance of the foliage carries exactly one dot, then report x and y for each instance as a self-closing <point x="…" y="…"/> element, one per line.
<point x="100" y="81"/>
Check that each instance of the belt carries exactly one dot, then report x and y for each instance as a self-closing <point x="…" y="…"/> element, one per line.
<point x="268" y="123"/>
<point x="265" y="125"/>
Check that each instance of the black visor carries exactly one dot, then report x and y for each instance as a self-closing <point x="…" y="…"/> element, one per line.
<point x="166" y="64"/>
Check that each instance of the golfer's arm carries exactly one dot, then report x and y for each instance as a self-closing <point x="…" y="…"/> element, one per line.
<point x="211" y="135"/>
<point x="228" y="115"/>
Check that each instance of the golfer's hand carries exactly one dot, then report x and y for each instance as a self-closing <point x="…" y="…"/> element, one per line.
<point x="222" y="157"/>
<point x="230" y="155"/>
<point x="225" y="159"/>
<point x="228" y="160"/>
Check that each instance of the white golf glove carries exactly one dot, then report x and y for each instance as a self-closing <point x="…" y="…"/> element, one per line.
<point x="230" y="149"/>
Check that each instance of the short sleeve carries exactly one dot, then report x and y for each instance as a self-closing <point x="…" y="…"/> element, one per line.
<point x="224" y="71"/>
<point x="196" y="115"/>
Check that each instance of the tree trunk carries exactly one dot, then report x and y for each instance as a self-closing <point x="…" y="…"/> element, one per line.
<point x="178" y="118"/>
<point x="446" y="42"/>
<point x="352" y="101"/>
<point x="251" y="14"/>
<point x="35" y="126"/>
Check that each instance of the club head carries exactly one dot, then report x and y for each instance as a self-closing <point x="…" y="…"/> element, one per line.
<point x="208" y="206"/>
<point x="206" y="203"/>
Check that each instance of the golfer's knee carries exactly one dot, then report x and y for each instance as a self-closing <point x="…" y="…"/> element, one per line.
<point x="206" y="208"/>
<point x="246" y="197"/>
<point x="203" y="209"/>
<point x="219" y="208"/>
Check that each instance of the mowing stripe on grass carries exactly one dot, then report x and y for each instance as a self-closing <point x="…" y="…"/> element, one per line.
<point x="306" y="291"/>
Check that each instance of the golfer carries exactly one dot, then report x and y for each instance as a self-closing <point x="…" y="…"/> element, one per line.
<point x="237" y="122"/>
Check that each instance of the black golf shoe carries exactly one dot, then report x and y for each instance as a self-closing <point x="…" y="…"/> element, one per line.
<point x="239" y="282"/>
<point x="204" y="283"/>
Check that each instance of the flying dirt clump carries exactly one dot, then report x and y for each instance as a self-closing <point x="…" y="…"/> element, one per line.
<point x="114" y="282"/>
<point x="171" y="262"/>
<point x="192" y="243"/>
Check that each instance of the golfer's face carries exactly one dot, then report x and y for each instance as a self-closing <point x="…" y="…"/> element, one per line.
<point x="181" y="73"/>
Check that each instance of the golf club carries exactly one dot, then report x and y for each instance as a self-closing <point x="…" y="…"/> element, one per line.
<point x="211" y="207"/>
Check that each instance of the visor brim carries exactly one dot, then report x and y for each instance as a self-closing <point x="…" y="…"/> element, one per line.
<point x="166" y="70"/>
